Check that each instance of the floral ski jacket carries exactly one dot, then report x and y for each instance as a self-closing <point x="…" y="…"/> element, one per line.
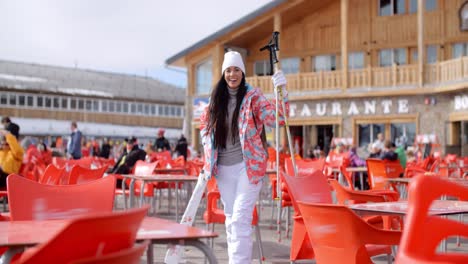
<point x="254" y="105"/>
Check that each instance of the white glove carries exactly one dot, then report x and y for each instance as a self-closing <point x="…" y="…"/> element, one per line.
<point x="278" y="79"/>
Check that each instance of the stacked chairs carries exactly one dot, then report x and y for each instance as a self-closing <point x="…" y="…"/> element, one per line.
<point x="91" y="238"/>
<point x="312" y="187"/>
<point x="423" y="232"/>
<point x="52" y="175"/>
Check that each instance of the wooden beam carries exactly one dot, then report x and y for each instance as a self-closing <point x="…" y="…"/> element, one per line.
<point x="344" y="43"/>
<point x="421" y="53"/>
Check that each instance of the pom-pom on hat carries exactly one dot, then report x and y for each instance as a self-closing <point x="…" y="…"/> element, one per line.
<point x="233" y="58"/>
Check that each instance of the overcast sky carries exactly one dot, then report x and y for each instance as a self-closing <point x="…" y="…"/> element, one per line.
<point x="134" y="37"/>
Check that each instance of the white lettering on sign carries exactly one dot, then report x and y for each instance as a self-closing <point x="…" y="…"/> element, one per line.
<point x="336" y="108"/>
<point x="403" y="106"/>
<point x="321" y="109"/>
<point x="386" y="104"/>
<point x="370" y="107"/>
<point x="461" y="102"/>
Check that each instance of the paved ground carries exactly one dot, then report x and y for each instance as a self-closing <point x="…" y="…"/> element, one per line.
<point x="275" y="252"/>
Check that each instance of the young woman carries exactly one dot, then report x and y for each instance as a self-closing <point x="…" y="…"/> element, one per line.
<point x="234" y="153"/>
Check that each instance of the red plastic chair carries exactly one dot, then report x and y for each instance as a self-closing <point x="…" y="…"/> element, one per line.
<point x="30" y="200"/>
<point x="215" y="215"/>
<point x="90" y="236"/>
<point x="126" y="256"/>
<point x="378" y="174"/>
<point x="338" y="235"/>
<point x="312" y="187"/>
<point x="423" y="233"/>
<point x="52" y="175"/>
<point x="80" y="174"/>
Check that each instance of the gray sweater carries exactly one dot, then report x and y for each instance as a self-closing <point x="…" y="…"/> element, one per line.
<point x="232" y="154"/>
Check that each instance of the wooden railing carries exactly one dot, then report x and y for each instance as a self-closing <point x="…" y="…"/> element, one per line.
<point x="394" y="76"/>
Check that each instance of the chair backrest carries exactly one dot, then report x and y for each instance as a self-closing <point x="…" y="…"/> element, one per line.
<point x="393" y="169"/>
<point x="338" y="234"/>
<point x="312" y="187"/>
<point x="348" y="196"/>
<point x="377" y="174"/>
<point x="30" y="200"/>
<point x="80" y="174"/>
<point x="126" y="256"/>
<point x="86" y="237"/>
<point x="304" y="166"/>
<point x="52" y="175"/>
<point x="423" y="233"/>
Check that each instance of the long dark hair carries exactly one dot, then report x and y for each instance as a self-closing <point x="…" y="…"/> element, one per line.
<point x="218" y="111"/>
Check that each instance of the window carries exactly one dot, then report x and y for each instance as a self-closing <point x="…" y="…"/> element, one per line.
<point x="392" y="7"/>
<point x="368" y="133"/>
<point x="73" y="104"/>
<point x="403" y="134"/>
<point x="111" y="106"/>
<point x="64" y="103"/>
<point x="48" y="102"/>
<point x="262" y="68"/>
<point x="160" y="110"/>
<point x="290" y="65"/>
<point x="166" y="110"/>
<point x="21" y="100"/>
<point x="173" y="110"/>
<point x="140" y="108"/>
<point x="431" y="54"/>
<point x="153" y="109"/>
<point x="133" y="108"/>
<point x="104" y="106"/>
<point x="12" y="99"/>
<point x="389" y="56"/>
<point x="4" y="99"/>
<point x="179" y="111"/>
<point x="204" y="77"/>
<point x="147" y="109"/>
<point x="324" y="63"/>
<point x="356" y="60"/>
<point x="56" y="102"/>
<point x="30" y="100"/>
<point x="430" y="5"/>
<point x="95" y="105"/>
<point x="459" y="50"/>
<point x="89" y="105"/>
<point x="80" y="104"/>
<point x="40" y="101"/>
<point x="125" y="107"/>
<point x="118" y="107"/>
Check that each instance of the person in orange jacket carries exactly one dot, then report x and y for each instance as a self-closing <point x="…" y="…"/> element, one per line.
<point x="11" y="155"/>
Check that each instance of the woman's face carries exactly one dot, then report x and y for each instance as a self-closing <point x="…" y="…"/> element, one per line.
<point x="233" y="76"/>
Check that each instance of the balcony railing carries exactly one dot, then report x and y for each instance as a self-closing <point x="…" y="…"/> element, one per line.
<point x="394" y="76"/>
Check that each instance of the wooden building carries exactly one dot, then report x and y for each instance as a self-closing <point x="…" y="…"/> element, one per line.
<point x="44" y="99"/>
<point x="355" y="68"/>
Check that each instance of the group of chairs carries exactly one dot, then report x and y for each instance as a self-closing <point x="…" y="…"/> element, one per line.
<point x="94" y="233"/>
<point x="330" y="232"/>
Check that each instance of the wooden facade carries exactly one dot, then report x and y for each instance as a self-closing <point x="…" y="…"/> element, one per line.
<point x="429" y="89"/>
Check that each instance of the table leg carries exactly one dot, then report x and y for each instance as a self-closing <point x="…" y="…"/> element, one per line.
<point x="131" y="190"/>
<point x="149" y="254"/>
<point x="177" y="201"/>
<point x="124" y="196"/>
<point x="142" y="192"/>
<point x="204" y="248"/>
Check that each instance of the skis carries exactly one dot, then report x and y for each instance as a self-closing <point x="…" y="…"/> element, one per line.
<point x="175" y="253"/>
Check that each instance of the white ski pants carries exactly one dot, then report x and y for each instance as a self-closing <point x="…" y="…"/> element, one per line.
<point x="239" y="197"/>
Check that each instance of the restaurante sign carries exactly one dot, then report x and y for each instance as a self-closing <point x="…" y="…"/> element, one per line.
<point x="366" y="107"/>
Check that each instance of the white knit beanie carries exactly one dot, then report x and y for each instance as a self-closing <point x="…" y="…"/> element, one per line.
<point x="233" y="58"/>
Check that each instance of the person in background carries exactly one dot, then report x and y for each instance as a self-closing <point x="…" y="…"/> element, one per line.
<point x="74" y="146"/>
<point x="11" y="155"/>
<point x="161" y="143"/>
<point x="181" y="147"/>
<point x="105" y="149"/>
<point x="388" y="152"/>
<point x="375" y="151"/>
<point x="129" y="157"/>
<point x="356" y="161"/>
<point x="230" y="128"/>
<point x="10" y="126"/>
<point x="380" y="141"/>
<point x="46" y="154"/>
<point x="401" y="153"/>
<point x="32" y="154"/>
<point x="310" y="153"/>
